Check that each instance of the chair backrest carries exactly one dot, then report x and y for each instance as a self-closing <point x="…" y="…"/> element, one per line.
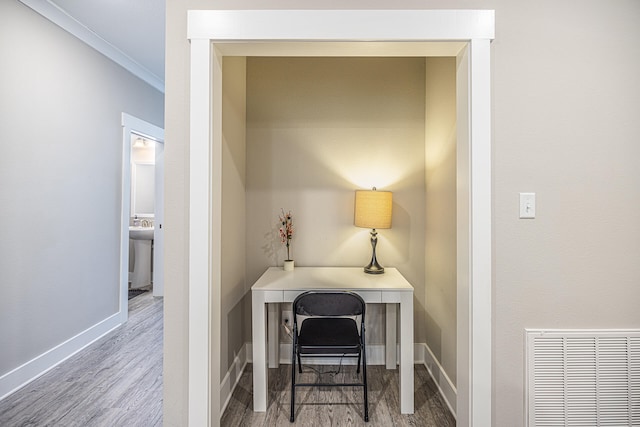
<point x="334" y="303"/>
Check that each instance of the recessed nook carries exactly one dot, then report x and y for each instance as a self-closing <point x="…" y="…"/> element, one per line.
<point x="210" y="33"/>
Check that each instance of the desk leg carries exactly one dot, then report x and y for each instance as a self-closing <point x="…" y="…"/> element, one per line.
<point x="260" y="372"/>
<point x="273" y="328"/>
<point x="406" y="354"/>
<point x="391" y="341"/>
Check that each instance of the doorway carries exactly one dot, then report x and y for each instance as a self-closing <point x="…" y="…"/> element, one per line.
<point x="215" y="34"/>
<point x="133" y="131"/>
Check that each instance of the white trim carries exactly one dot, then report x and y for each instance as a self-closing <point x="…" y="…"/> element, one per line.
<point x="232" y="377"/>
<point x="39" y="365"/>
<point x="481" y="231"/>
<point x="445" y="386"/>
<point x="340" y="25"/>
<point x="68" y="23"/>
<point x="143" y="128"/>
<point x="473" y="26"/>
<point x="200" y="313"/>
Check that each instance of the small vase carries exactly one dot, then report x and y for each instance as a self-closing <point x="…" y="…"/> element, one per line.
<point x="288" y="265"/>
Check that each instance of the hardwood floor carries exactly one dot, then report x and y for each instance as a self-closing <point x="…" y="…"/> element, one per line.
<point x="334" y="406"/>
<point x="113" y="383"/>
<point x="110" y="383"/>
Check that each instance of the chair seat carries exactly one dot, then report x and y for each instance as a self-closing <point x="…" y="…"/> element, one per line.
<point x="329" y="336"/>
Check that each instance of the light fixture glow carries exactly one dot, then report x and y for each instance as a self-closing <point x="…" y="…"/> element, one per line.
<point x="140" y="142"/>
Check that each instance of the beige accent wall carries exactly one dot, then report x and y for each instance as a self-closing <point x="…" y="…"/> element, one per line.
<point x="317" y="130"/>
<point x="565" y="106"/>
<point x="233" y="288"/>
<point x="440" y="213"/>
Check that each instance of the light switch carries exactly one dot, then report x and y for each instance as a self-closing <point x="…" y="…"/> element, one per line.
<point x="527" y="205"/>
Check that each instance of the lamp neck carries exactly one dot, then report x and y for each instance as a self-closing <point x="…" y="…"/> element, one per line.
<point x="373" y="267"/>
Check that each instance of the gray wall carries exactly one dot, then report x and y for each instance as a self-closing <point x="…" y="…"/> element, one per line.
<point x="565" y="102"/>
<point x="60" y="182"/>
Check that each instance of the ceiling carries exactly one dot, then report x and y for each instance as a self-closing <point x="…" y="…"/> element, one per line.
<point x="134" y="27"/>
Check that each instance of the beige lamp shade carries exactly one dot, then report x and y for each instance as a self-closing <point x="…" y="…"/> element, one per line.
<point x="373" y="209"/>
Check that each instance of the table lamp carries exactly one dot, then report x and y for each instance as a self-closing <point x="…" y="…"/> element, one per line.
<point x="373" y="210"/>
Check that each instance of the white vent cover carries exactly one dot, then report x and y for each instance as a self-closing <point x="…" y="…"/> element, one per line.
<point x="583" y="378"/>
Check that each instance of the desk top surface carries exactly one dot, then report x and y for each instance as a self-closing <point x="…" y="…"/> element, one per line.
<point x="304" y="278"/>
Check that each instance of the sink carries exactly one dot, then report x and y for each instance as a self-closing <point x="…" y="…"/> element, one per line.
<point x="142" y="237"/>
<point x="141" y="233"/>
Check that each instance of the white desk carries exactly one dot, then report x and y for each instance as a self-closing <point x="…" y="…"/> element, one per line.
<point x="277" y="286"/>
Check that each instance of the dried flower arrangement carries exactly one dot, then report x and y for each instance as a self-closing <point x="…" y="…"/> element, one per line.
<point x="286" y="231"/>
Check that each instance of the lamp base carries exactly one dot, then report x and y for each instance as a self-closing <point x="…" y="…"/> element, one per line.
<point x="373" y="267"/>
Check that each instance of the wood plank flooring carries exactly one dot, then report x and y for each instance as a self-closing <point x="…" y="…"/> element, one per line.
<point x="337" y="406"/>
<point x="117" y="381"/>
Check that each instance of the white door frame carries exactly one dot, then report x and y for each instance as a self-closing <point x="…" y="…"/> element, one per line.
<point x="215" y="33"/>
<point x="130" y="124"/>
<point x="158" y="222"/>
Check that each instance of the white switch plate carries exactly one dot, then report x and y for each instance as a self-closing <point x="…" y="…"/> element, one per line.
<point x="527" y="205"/>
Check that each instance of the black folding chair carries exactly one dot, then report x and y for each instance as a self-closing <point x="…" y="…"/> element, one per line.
<point x="328" y="328"/>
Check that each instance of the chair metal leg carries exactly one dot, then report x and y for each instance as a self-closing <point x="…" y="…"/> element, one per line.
<point x="293" y="383"/>
<point x="299" y="363"/>
<point x="364" y="375"/>
<point x="358" y="365"/>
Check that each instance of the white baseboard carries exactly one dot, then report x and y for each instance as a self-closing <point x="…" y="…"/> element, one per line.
<point x="24" y="374"/>
<point x="230" y="380"/>
<point x="446" y="388"/>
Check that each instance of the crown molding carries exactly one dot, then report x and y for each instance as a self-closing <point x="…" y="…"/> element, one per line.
<point x="65" y="21"/>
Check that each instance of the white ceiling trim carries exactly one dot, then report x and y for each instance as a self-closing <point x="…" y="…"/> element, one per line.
<point x="341" y="25"/>
<point x="59" y="17"/>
